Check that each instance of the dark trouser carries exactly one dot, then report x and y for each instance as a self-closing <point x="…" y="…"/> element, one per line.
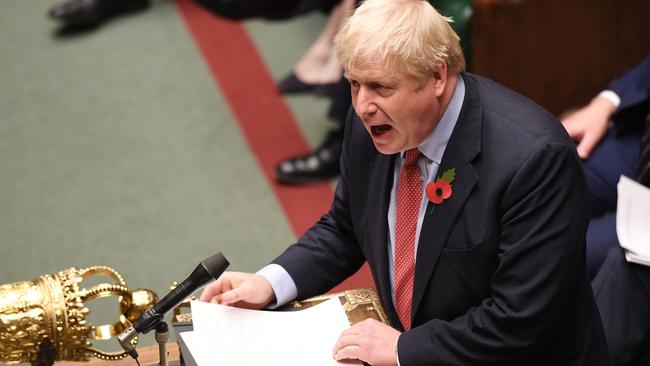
<point x="622" y="292"/>
<point x="341" y="102"/>
<point x="270" y="9"/>
<point x="621" y="289"/>
<point x="613" y="157"/>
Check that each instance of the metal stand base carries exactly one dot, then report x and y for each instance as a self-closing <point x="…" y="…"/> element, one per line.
<point x="162" y="336"/>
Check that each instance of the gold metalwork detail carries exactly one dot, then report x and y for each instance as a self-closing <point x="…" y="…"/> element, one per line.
<point x="53" y="307"/>
<point x="359" y="304"/>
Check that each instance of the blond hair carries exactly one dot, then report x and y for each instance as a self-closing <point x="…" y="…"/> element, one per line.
<point x="405" y="36"/>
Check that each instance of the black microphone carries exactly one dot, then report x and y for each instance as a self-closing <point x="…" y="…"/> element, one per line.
<point x="208" y="269"/>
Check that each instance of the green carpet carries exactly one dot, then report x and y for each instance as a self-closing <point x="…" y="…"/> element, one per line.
<point x="117" y="148"/>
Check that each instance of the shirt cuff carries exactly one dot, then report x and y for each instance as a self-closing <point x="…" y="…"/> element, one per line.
<point x="611" y="96"/>
<point x="283" y="286"/>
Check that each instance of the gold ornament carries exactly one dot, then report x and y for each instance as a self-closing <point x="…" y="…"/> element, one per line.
<point x="51" y="311"/>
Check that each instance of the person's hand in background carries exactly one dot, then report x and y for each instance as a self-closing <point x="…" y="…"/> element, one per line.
<point x="588" y="125"/>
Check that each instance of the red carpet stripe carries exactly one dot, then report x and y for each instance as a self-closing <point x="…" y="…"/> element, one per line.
<point x="264" y="118"/>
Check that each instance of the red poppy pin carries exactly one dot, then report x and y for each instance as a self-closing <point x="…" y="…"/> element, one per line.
<point x="440" y="190"/>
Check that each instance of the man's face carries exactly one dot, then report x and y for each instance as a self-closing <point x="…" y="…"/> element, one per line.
<point x="399" y="112"/>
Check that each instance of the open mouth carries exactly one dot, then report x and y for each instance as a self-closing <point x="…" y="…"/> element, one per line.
<point x="380" y="129"/>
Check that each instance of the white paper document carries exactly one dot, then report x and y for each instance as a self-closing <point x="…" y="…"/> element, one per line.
<point x="228" y="336"/>
<point x="633" y="220"/>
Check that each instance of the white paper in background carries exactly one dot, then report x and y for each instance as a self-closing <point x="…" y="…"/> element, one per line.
<point x="633" y="220"/>
<point x="231" y="336"/>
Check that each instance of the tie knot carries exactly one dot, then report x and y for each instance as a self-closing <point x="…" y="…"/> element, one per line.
<point x="411" y="157"/>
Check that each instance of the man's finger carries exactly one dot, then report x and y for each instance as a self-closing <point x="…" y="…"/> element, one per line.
<point x="215" y="288"/>
<point x="344" y="341"/>
<point x="586" y="145"/>
<point x="210" y="291"/>
<point x="350" y="352"/>
<point x="230" y="297"/>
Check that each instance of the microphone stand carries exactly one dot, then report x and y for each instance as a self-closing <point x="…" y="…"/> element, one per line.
<point x="210" y="268"/>
<point x="162" y="336"/>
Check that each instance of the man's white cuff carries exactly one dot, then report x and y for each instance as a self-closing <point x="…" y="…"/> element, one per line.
<point x="283" y="286"/>
<point x="611" y="96"/>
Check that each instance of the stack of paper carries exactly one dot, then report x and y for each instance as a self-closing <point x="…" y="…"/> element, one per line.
<point x="633" y="220"/>
<point x="229" y="336"/>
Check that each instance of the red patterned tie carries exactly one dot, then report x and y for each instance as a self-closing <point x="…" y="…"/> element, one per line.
<point x="409" y="195"/>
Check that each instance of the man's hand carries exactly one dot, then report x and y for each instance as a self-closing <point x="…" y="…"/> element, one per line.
<point x="588" y="125"/>
<point x="242" y="290"/>
<point x="370" y="341"/>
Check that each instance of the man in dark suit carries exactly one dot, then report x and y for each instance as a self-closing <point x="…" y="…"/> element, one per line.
<point x="609" y="153"/>
<point x="467" y="200"/>
<point x="622" y="289"/>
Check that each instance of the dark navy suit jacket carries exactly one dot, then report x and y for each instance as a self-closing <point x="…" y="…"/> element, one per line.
<point x="500" y="274"/>
<point x="622" y="289"/>
<point x="634" y="90"/>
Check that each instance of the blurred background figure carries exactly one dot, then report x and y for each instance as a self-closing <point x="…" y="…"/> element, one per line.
<point x="613" y="135"/>
<point x="89" y="14"/>
<point x="318" y="70"/>
<point x="608" y="132"/>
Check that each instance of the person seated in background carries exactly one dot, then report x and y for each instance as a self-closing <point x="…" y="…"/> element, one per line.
<point x="609" y="153"/>
<point x="92" y="13"/>
<point x="466" y="199"/>
<point x="621" y="289"/>
<point x="319" y="72"/>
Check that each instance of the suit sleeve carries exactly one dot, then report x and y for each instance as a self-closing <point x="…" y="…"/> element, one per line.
<point x="634" y="85"/>
<point x="328" y="252"/>
<point x="540" y="262"/>
<point x="634" y="90"/>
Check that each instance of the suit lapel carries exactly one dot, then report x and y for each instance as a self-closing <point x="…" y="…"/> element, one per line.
<point x="380" y="183"/>
<point x="464" y="144"/>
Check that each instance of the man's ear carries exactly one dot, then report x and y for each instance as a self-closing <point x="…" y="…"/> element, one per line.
<point x="440" y="79"/>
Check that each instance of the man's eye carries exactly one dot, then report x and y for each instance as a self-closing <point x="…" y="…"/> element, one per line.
<point x="354" y="83"/>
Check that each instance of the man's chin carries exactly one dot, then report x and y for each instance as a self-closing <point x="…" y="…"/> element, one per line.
<point x="386" y="149"/>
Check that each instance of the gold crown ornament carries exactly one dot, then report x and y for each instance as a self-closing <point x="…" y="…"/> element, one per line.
<point x="46" y="317"/>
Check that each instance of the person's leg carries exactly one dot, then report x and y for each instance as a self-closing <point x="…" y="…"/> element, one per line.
<point x="601" y="237"/>
<point x="322" y="163"/>
<point x="319" y="67"/>
<point x="614" y="156"/>
<point x="91" y="13"/>
<point x="622" y="292"/>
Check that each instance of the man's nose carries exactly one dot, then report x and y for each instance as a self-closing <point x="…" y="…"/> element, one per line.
<point x="364" y="102"/>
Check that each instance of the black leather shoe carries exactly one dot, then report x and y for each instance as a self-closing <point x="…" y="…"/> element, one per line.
<point x="320" y="165"/>
<point x="90" y="13"/>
